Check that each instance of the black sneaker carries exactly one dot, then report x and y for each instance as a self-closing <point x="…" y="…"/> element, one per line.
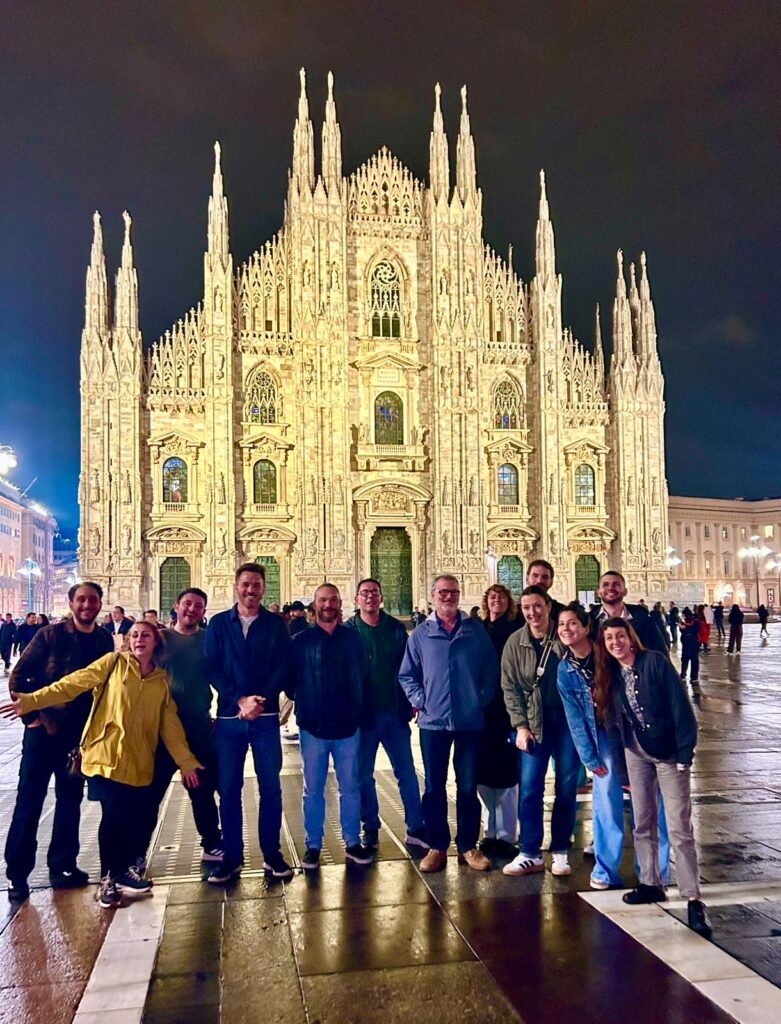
<point x="133" y="884"/>
<point x="311" y="861"/>
<point x="645" y="894"/>
<point x="108" y="894"/>
<point x="371" y="838"/>
<point x="698" y="918"/>
<point x="358" y="854"/>
<point x="504" y="848"/>
<point x="18" y="890"/>
<point x="73" y="879"/>
<point x="278" y="866"/>
<point x="223" y="873"/>
<point x="417" y="838"/>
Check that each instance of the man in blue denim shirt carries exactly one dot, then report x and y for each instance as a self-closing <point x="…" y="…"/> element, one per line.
<point x="450" y="673"/>
<point x="248" y="660"/>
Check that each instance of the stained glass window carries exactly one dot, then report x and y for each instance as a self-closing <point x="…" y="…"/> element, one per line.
<point x="585" y="491"/>
<point x="508" y="485"/>
<point x="174" y="480"/>
<point x="264" y="479"/>
<point x="388" y="419"/>
<point x="507" y="406"/>
<point x="385" y="301"/>
<point x="261" y="405"/>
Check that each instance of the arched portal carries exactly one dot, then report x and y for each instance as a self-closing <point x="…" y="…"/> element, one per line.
<point x="175" y="576"/>
<point x="587" y="572"/>
<point x="391" y="564"/>
<point x="273" y="585"/>
<point x="509" y="573"/>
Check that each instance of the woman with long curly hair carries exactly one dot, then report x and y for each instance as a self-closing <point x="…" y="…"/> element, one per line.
<point x="643" y="694"/>
<point x="497" y="766"/>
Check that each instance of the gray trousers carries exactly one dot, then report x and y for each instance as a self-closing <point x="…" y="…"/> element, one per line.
<point x="647" y="775"/>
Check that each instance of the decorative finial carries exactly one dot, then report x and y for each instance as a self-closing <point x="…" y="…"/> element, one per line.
<point x="620" y="260"/>
<point x="96" y="220"/>
<point x="330" y="85"/>
<point x="217" y="152"/>
<point x="128" y="222"/>
<point x="642" y="260"/>
<point x="437" y="94"/>
<point x="302" y="76"/>
<point x="463" y="96"/>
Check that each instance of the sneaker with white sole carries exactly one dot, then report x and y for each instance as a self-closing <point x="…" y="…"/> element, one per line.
<point x="213" y="856"/>
<point x="108" y="895"/>
<point x="523" y="865"/>
<point x="588" y="851"/>
<point x="358" y="854"/>
<point x="417" y="838"/>
<point x="132" y="884"/>
<point x="222" y="873"/>
<point x="597" y="883"/>
<point x="560" y="865"/>
<point x="278" y="866"/>
<point x="311" y="859"/>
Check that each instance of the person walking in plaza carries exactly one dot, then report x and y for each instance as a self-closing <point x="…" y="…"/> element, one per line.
<point x="599" y="749"/>
<point x="389" y="712"/>
<point x="7" y="639"/>
<point x="529" y="669"/>
<point x="184" y="660"/>
<point x="690" y="646"/>
<point x="718" y="620"/>
<point x="709" y="617"/>
<point x="673" y="619"/>
<point x="764" y="616"/>
<point x="612" y="591"/>
<point x="55" y="651"/>
<point x="26" y="631"/>
<point x="643" y="694"/>
<point x="735" y="619"/>
<point x="329" y="684"/>
<point x="131" y="711"/>
<point x="248" y="660"/>
<point x="450" y="674"/>
<point x="497" y="766"/>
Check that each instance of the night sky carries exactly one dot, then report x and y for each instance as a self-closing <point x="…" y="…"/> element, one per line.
<point x="657" y="124"/>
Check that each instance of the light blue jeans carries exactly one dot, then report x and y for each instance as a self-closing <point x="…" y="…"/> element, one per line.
<point x="315" y="754"/>
<point x="608" y="821"/>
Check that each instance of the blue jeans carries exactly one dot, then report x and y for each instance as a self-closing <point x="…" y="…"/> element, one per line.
<point x="435" y="746"/>
<point x="395" y="738"/>
<point x="556" y="743"/>
<point x="232" y="736"/>
<point x="607" y="808"/>
<point x="315" y="754"/>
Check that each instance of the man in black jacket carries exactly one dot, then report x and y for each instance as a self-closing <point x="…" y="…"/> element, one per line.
<point x="612" y="591"/>
<point x="7" y="638"/>
<point x="49" y="736"/>
<point x="386" y="640"/>
<point x="331" y="669"/>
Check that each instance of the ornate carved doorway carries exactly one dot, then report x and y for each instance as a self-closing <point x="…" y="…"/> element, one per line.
<point x="174" y="578"/>
<point x="586" y="578"/>
<point x="391" y="564"/>
<point x="509" y="572"/>
<point x="273" y="587"/>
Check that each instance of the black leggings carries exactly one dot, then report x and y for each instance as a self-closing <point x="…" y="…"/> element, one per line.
<point x="690" y="657"/>
<point x="123" y="810"/>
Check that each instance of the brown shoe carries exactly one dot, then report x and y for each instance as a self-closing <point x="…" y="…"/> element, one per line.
<point x="475" y="859"/>
<point x="435" y="860"/>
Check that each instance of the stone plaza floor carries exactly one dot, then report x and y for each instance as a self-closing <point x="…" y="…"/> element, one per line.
<point x="385" y="943"/>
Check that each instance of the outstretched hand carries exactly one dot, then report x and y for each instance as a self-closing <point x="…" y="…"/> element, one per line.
<point x="190" y="780"/>
<point x="13" y="709"/>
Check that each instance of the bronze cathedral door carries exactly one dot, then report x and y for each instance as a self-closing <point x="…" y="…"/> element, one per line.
<point x="391" y="564"/>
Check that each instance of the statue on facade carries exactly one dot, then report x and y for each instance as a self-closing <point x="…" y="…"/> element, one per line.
<point x="94" y="537"/>
<point x="94" y="489"/>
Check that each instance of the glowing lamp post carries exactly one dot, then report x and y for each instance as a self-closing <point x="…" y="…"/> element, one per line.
<point x="755" y="552"/>
<point x="7" y="459"/>
<point x="672" y="561"/>
<point x="31" y="570"/>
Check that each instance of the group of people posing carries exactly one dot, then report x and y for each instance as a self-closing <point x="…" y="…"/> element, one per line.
<point x="503" y="695"/>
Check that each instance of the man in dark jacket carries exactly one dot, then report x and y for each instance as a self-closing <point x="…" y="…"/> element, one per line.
<point x="7" y="639"/>
<point x="49" y="736"/>
<point x="735" y="619"/>
<point x="247" y="652"/>
<point x="330" y="669"/>
<point x="26" y="632"/>
<point x="612" y="591"/>
<point x="118" y="625"/>
<point x="386" y="640"/>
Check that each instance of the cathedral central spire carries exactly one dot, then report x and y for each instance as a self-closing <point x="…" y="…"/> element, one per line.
<point x="218" y="214"/>
<point x="96" y="313"/>
<point x="332" y="144"/>
<point x="439" y="165"/>
<point x="466" y="172"/>
<point x="546" y="248"/>
<point x="622" y="320"/>
<point x="303" y="143"/>
<point x="126" y="307"/>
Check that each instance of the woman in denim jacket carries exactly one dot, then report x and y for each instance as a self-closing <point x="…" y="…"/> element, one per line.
<point x="599" y="749"/>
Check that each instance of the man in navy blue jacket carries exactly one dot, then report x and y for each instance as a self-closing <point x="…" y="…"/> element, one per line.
<point x="247" y="651"/>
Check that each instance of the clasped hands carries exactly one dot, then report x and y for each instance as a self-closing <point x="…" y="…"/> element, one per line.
<point x="250" y="708"/>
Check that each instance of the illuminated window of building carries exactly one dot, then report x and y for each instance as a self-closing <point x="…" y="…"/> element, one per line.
<point x="388" y="419"/>
<point x="689" y="565"/>
<point x="725" y="533"/>
<point x="743" y="533"/>
<point x="261" y="404"/>
<point x="687" y="531"/>
<point x="768" y="531"/>
<point x="507" y="406"/>
<point x="174" y="481"/>
<point x="385" y="296"/>
<point x="708" y="567"/>
<point x="706" y="531"/>
<point x="508" y="485"/>
<point x="264" y="482"/>
<point x="585" y="486"/>
<point x="727" y="566"/>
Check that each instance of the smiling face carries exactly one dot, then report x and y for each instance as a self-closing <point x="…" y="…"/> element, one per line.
<point x="612" y="589"/>
<point x="619" y="644"/>
<point x="497" y="603"/>
<point x="536" y="611"/>
<point x="142" y="640"/>
<point x="328" y="604"/>
<point x="190" y="610"/>
<point x="369" y="597"/>
<point x="446" y="595"/>
<point x="539" y="576"/>
<point x="250" y="588"/>
<point x="85" y="606"/>
<point x="571" y="630"/>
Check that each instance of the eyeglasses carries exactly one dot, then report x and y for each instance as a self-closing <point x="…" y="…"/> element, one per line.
<point x="449" y="593"/>
<point x="369" y="593"/>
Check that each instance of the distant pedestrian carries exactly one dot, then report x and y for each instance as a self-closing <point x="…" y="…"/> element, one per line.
<point x="26" y="631"/>
<point x="690" y="646"/>
<point x="659" y="619"/>
<point x="704" y="627"/>
<point x="764" y="615"/>
<point x="735" y="619"/>
<point x="673" y="619"/>
<point x="718" y="620"/>
<point x="7" y="638"/>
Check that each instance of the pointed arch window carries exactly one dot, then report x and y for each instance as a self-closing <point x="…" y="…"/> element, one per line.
<point x="264" y="482"/>
<point x="388" y="419"/>
<point x="507" y="406"/>
<point x="385" y="296"/>
<point x="175" y="481"/>
<point x="262" y="400"/>
<point x="508" y="485"/>
<point x="585" y="485"/>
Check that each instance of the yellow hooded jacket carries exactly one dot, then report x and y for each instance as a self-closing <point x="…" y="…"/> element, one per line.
<point x="121" y="737"/>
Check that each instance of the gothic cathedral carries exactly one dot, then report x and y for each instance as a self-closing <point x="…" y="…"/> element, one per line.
<point x="374" y="392"/>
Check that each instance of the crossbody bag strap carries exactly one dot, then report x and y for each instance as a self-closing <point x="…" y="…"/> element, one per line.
<point x="542" y="664"/>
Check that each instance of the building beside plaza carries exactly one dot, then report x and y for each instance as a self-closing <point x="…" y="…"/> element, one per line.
<point x="26" y="553"/>
<point x="374" y="391"/>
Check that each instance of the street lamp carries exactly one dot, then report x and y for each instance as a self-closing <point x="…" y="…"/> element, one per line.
<point x="7" y="459"/>
<point x="30" y="569"/>
<point x="755" y="552"/>
<point x="672" y="560"/>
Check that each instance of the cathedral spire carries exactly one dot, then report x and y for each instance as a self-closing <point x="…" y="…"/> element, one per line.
<point x="439" y="165"/>
<point x="546" y="249"/>
<point x="599" y="352"/>
<point x="96" y="311"/>
<point x="126" y="302"/>
<point x="332" y="144"/>
<point x="634" y="307"/>
<point x="622" y="320"/>
<point x="218" y="214"/>
<point x="466" y="174"/>
<point x="303" y="143"/>
<point x="647" y="349"/>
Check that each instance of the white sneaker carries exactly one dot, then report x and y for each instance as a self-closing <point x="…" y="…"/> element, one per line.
<point x="596" y="883"/>
<point x="523" y="865"/>
<point x="561" y="864"/>
<point x="588" y="851"/>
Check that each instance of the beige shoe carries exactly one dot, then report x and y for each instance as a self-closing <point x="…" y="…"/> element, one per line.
<point x="475" y="859"/>
<point x="435" y="860"/>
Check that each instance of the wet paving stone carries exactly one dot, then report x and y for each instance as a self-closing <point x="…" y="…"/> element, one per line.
<point x="332" y="887"/>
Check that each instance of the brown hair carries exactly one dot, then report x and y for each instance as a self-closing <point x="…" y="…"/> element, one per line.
<point x="499" y="588"/>
<point x="606" y="666"/>
<point x="251" y="567"/>
<point x="159" y="635"/>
